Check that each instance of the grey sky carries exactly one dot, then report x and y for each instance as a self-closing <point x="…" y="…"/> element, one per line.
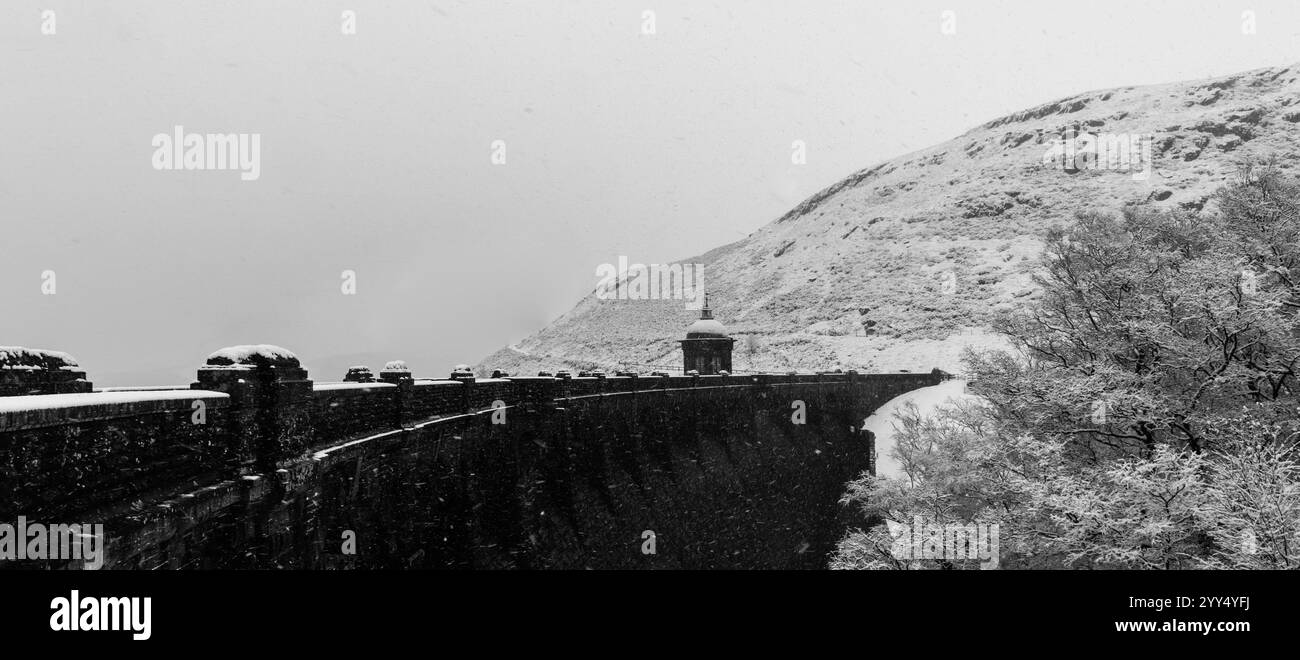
<point x="375" y="152"/>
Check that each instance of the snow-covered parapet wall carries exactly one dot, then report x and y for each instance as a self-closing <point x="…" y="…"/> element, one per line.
<point x="359" y="374"/>
<point x="16" y="356"/>
<point x="262" y="363"/>
<point x="395" y="371"/>
<point x="254" y="355"/>
<point x="272" y="394"/>
<point x="258" y="430"/>
<point x="37" y="371"/>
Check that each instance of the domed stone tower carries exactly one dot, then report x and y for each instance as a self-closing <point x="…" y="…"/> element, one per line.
<point x="707" y="348"/>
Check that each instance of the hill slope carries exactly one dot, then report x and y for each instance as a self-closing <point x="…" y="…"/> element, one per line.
<point x="879" y="245"/>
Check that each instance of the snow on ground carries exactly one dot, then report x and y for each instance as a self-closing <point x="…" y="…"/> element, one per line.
<point x="881" y="422"/>
<point x="886" y="355"/>
<point x="949" y="236"/>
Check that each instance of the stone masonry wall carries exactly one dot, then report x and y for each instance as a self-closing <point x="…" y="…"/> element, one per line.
<point x="571" y="473"/>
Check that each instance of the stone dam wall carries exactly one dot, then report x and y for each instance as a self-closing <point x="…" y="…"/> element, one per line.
<point x="257" y="466"/>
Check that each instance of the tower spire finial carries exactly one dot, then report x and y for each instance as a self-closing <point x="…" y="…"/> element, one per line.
<point x="705" y="312"/>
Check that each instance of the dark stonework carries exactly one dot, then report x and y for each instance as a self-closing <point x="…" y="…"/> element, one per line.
<point x="395" y="372"/>
<point x="271" y="398"/>
<point x="429" y="475"/>
<point x="359" y="374"/>
<point x="26" y="371"/>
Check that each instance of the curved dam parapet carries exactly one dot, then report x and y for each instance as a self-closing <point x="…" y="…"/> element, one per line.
<point x="256" y="466"/>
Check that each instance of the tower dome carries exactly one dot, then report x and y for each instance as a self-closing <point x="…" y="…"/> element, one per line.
<point x="707" y="348"/>
<point x="706" y="327"/>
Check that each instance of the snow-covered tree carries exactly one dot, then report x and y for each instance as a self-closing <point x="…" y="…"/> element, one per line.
<point x="1150" y="414"/>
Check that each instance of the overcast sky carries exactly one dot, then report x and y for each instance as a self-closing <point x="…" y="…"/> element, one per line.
<point x="376" y="150"/>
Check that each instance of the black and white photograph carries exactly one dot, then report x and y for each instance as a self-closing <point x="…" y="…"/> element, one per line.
<point x="447" y="293"/>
